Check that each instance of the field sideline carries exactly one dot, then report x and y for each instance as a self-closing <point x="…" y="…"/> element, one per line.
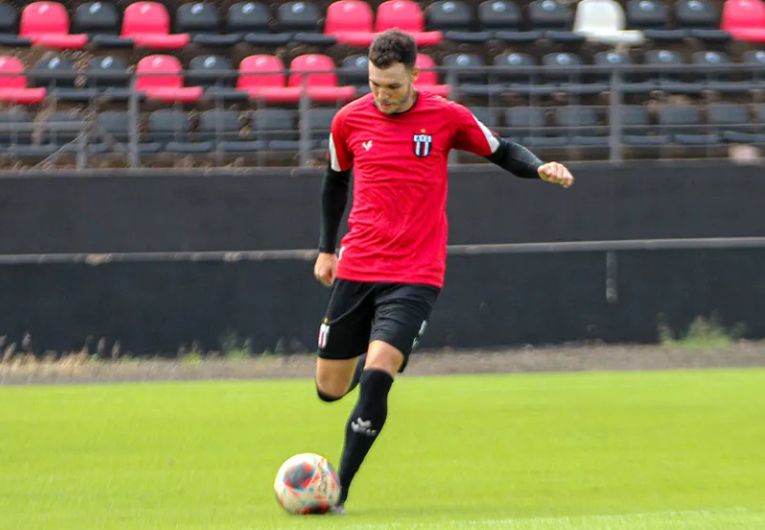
<point x="565" y="451"/>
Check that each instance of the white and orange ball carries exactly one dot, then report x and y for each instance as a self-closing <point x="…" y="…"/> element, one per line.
<point x="306" y="484"/>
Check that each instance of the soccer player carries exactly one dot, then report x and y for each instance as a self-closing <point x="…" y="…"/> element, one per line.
<point x="389" y="269"/>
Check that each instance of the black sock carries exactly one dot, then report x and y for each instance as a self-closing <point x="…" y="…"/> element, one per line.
<point x="364" y="425"/>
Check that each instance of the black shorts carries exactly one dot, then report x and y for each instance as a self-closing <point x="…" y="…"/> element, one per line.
<point x="360" y="312"/>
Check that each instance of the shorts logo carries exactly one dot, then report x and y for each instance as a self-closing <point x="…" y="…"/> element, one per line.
<point x="422" y="144"/>
<point x="323" y="336"/>
<point x="420" y="333"/>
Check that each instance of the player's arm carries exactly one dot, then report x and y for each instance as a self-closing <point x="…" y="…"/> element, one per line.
<point x="334" y="196"/>
<point x="521" y="162"/>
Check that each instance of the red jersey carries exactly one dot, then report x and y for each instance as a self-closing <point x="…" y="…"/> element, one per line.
<point x="397" y="225"/>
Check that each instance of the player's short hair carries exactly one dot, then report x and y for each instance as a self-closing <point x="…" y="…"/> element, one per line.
<point x="393" y="46"/>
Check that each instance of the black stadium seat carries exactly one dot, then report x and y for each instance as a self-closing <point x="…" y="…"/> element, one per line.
<point x="665" y="76"/>
<point x="702" y="18"/>
<point x="251" y="19"/>
<point x="487" y="115"/>
<point x="9" y="20"/>
<point x="563" y="73"/>
<point x="58" y="75"/>
<point x="172" y="130"/>
<point x="202" y="21"/>
<point x="223" y="129"/>
<point x="636" y="128"/>
<point x="211" y="71"/>
<point x="455" y="19"/>
<point x="528" y="125"/>
<point x="101" y="22"/>
<point x="463" y="70"/>
<point x="555" y="19"/>
<point x="15" y="128"/>
<point x="62" y="127"/>
<point x="354" y="70"/>
<point x="503" y="17"/>
<point x="652" y="18"/>
<point x="276" y="128"/>
<point x="682" y="123"/>
<point x="110" y="75"/>
<point x="304" y="19"/>
<point x="581" y="126"/>
<point x="733" y="124"/>
<point x="715" y="72"/>
<point x="319" y="123"/>
<point x="508" y="74"/>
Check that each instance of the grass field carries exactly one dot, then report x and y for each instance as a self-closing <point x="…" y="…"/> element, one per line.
<point x="616" y="451"/>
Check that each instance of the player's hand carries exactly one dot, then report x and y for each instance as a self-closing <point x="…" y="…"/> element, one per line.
<point x="556" y="173"/>
<point x="325" y="268"/>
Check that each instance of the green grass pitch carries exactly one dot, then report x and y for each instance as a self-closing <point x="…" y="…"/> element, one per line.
<point x="595" y="451"/>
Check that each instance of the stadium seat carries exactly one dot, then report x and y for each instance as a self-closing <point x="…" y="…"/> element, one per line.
<point x="554" y="19"/>
<point x="528" y="125"/>
<point x="276" y="128"/>
<point x="684" y="126"/>
<point x="636" y="128"/>
<point x="13" y="83"/>
<point x="745" y="19"/>
<point x="317" y="73"/>
<point x="702" y="18"/>
<point x="465" y="71"/>
<point x="160" y="78"/>
<point x="148" y="24"/>
<point x="755" y="59"/>
<point x="665" y="77"/>
<point x="100" y="21"/>
<point x="519" y="73"/>
<point x="251" y="20"/>
<point x="223" y="129"/>
<point x="319" y="122"/>
<point x="216" y="75"/>
<point x="354" y="70"/>
<point x="428" y="78"/>
<point x="61" y="128"/>
<point x="581" y="125"/>
<point x="350" y="22"/>
<point x="488" y="116"/>
<point x="732" y="123"/>
<point x="47" y="24"/>
<point x="503" y="18"/>
<point x="9" y="19"/>
<point x="455" y="19"/>
<point x="562" y="72"/>
<point x="407" y="16"/>
<point x="715" y="73"/>
<point x="201" y="20"/>
<point x="603" y="21"/>
<point x="304" y="19"/>
<point x="111" y="134"/>
<point x="263" y="77"/>
<point x="15" y="128"/>
<point x="652" y="18"/>
<point x="58" y="75"/>
<point x="172" y="129"/>
<point x="110" y="76"/>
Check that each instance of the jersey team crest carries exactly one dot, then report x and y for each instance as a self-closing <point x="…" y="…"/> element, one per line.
<point x="422" y="144"/>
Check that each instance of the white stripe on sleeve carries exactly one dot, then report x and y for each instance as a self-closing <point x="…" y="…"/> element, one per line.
<point x="334" y="163"/>
<point x="490" y="138"/>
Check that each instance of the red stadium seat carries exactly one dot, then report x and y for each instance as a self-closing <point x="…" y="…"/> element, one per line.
<point x="350" y="22"/>
<point x="744" y="19"/>
<point x="407" y="16"/>
<point x="148" y="24"/>
<point x="13" y="83"/>
<point x="320" y="78"/>
<point x="160" y="78"/>
<point x="263" y="77"/>
<point x="428" y="78"/>
<point x="47" y="24"/>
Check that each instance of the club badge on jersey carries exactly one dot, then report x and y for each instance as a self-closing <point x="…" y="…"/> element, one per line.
<point x="422" y="144"/>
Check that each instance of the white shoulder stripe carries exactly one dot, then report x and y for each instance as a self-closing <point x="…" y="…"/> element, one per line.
<point x="490" y="138"/>
<point x="334" y="163"/>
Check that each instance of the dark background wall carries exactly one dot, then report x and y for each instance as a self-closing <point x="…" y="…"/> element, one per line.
<point x="489" y="300"/>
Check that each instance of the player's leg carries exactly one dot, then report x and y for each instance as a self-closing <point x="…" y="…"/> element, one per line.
<point x="343" y="337"/>
<point x="401" y="312"/>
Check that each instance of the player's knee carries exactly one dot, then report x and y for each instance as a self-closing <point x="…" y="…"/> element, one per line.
<point x="328" y="395"/>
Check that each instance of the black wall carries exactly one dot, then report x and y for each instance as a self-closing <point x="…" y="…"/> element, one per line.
<point x="489" y="300"/>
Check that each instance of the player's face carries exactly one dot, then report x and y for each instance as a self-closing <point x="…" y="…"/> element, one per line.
<point x="392" y="87"/>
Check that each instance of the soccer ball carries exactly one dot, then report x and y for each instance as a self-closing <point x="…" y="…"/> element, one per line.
<point x="306" y="483"/>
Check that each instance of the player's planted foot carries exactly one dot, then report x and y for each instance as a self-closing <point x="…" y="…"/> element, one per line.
<point x="338" y="509"/>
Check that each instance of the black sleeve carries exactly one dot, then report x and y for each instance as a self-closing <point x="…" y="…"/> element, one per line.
<point x="334" y="195"/>
<point x="516" y="159"/>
